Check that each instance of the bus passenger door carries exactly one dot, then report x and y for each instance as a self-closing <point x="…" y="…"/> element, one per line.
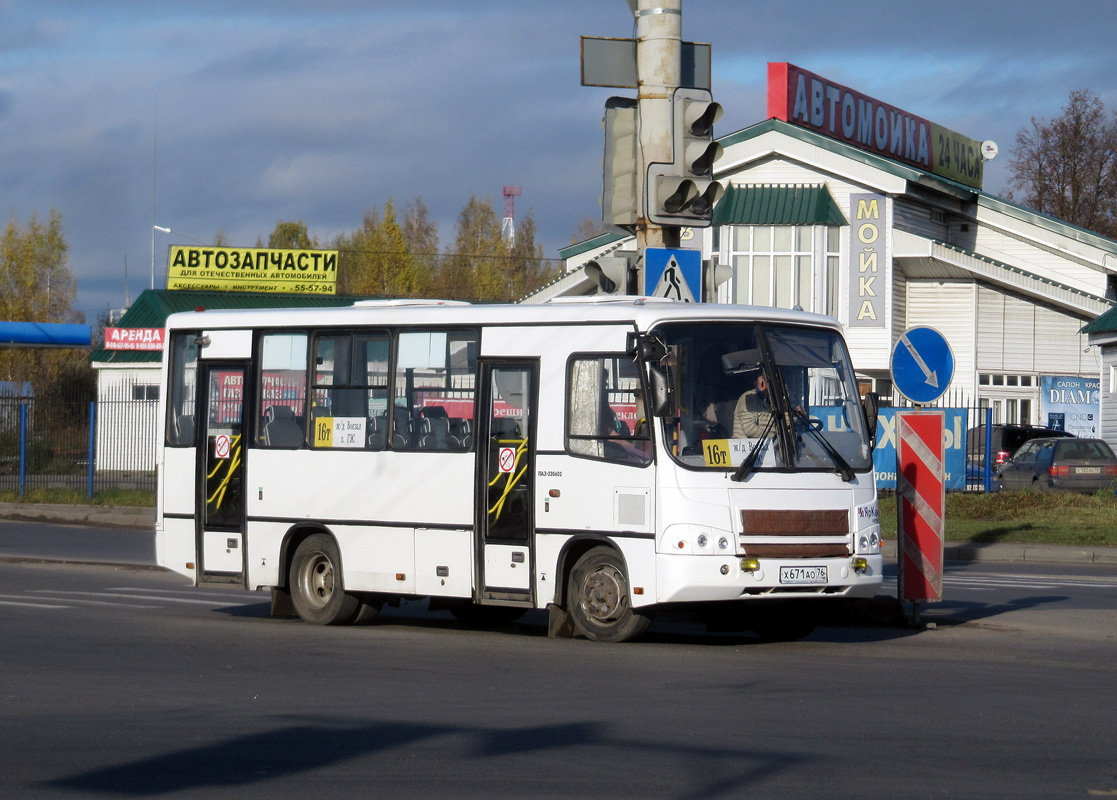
<point x="506" y="483"/>
<point x="221" y="475"/>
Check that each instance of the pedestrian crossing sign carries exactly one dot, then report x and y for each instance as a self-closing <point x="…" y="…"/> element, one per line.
<point x="673" y="273"/>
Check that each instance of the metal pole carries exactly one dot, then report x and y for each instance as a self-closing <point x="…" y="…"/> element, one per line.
<point x="988" y="465"/>
<point x="92" y="441"/>
<point x="659" y="26"/>
<point x="22" y="448"/>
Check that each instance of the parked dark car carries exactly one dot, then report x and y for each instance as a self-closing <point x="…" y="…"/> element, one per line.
<point x="1007" y="439"/>
<point x="1068" y="465"/>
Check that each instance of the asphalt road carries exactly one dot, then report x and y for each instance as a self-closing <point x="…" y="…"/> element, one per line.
<point x="122" y="681"/>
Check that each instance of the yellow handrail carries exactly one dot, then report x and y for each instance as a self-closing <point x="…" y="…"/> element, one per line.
<point x="498" y="507"/>
<point x="232" y="463"/>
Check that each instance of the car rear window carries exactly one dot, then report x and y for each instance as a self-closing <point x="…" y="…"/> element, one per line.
<point x="1076" y="449"/>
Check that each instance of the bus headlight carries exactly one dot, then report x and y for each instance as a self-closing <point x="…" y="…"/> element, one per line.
<point x="723" y="543"/>
<point x="860" y="565"/>
<point x="868" y="541"/>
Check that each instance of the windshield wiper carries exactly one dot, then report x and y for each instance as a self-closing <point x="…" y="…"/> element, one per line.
<point x="747" y="465"/>
<point x="843" y="467"/>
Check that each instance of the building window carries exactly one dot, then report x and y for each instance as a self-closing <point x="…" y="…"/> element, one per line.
<point x="145" y="391"/>
<point x="774" y="265"/>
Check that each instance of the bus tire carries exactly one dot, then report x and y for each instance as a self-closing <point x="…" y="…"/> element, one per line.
<point x="316" y="585"/>
<point x="597" y="598"/>
<point x="369" y="610"/>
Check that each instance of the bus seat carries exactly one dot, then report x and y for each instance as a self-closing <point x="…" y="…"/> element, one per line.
<point x="377" y="432"/>
<point x="281" y="429"/>
<point x="462" y="430"/>
<point x="436" y="433"/>
<point x="401" y="428"/>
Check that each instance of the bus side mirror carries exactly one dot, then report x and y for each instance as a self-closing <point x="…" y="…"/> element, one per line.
<point x="662" y="399"/>
<point x="647" y="346"/>
<point x="871" y="404"/>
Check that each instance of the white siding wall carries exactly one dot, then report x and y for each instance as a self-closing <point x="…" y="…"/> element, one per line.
<point x="1054" y="266"/>
<point x="1108" y="394"/>
<point x="948" y="307"/>
<point x="1014" y="334"/>
<point x="918" y="218"/>
<point x="126" y="429"/>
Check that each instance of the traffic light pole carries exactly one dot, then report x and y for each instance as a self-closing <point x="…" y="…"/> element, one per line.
<point x="658" y="57"/>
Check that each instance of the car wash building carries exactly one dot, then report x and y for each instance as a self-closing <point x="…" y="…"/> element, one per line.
<point x="842" y="204"/>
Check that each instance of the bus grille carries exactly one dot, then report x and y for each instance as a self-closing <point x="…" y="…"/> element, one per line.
<point x="779" y="533"/>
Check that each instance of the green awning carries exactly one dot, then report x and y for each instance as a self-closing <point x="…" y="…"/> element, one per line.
<point x="778" y="204"/>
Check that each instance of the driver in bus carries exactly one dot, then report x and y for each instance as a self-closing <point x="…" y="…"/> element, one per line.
<point x="753" y="412"/>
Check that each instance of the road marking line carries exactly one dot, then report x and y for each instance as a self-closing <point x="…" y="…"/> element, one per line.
<point x="28" y="605"/>
<point x="138" y="597"/>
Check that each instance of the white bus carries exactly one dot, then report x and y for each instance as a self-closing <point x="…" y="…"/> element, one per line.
<point x="603" y="459"/>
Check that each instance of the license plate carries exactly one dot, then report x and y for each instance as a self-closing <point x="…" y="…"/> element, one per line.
<point x="803" y="575"/>
<point x="1088" y="470"/>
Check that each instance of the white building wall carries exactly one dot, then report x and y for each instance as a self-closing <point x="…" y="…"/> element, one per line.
<point x="920" y="219"/>
<point x="1017" y="335"/>
<point x="126" y="427"/>
<point x="1046" y="262"/>
<point x="948" y="307"/>
<point x="1108" y="393"/>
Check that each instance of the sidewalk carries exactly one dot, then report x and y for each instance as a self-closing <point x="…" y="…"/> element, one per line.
<point x="144" y="518"/>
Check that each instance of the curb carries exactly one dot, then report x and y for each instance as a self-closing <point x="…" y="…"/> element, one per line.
<point x="111" y="516"/>
<point x="1006" y="552"/>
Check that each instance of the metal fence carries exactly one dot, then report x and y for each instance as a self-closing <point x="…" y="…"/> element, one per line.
<point x="967" y="442"/>
<point x="77" y="444"/>
<point x="60" y="443"/>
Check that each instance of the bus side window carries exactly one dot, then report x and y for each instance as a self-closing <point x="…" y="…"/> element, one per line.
<point x="350" y="390"/>
<point x="606" y="416"/>
<point x="183" y="390"/>
<point x="435" y="388"/>
<point x="282" y="404"/>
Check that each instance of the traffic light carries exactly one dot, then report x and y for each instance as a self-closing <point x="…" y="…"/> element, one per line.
<point x="613" y="274"/>
<point x="684" y="192"/>
<point x="619" y="202"/>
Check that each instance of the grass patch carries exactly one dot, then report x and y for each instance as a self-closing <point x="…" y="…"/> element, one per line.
<point x="1021" y="518"/>
<point x="106" y="497"/>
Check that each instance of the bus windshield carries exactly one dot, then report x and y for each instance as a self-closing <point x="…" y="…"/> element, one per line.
<point x="763" y="397"/>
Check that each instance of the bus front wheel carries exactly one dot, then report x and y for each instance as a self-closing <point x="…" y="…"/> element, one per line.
<point x="598" y="601"/>
<point x="316" y="585"/>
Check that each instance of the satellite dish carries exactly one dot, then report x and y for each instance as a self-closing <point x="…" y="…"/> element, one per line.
<point x="988" y="149"/>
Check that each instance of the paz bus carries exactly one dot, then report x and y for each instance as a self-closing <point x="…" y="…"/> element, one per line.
<point x="589" y="457"/>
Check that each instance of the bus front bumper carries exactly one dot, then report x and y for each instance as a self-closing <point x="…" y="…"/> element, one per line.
<point x="701" y="578"/>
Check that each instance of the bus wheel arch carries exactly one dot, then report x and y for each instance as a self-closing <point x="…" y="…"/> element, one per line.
<point x="314" y="578"/>
<point x="597" y="595"/>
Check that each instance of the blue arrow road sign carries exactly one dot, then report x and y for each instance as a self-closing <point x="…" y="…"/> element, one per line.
<point x="672" y="273"/>
<point x="922" y="365"/>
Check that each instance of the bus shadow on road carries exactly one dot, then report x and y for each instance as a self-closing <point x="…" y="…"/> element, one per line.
<point x="879" y="618"/>
<point x="468" y="752"/>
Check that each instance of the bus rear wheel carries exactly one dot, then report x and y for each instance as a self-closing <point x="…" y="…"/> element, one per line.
<point x="597" y="598"/>
<point x="317" y="591"/>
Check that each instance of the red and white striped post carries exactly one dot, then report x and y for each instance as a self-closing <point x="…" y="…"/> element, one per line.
<point x="920" y="505"/>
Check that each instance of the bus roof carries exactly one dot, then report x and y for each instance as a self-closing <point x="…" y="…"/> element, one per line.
<point x="641" y="312"/>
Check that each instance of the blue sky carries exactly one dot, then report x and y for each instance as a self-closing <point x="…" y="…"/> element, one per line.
<point x="322" y="110"/>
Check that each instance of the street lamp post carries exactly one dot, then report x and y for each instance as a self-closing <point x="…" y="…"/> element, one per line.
<point x="155" y="228"/>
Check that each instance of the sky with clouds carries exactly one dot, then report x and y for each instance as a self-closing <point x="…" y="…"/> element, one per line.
<point x="231" y="117"/>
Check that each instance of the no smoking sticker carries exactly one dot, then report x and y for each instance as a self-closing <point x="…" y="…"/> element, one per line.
<point x="507" y="459"/>
<point x="221" y="446"/>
